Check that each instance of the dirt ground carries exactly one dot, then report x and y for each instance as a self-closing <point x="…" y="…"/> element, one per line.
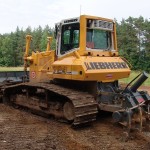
<point x="21" y="130"/>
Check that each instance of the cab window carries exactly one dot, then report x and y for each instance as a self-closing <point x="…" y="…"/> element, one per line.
<point x="99" y="34"/>
<point x="98" y="39"/>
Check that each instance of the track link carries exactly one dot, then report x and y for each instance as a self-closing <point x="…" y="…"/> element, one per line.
<point x="85" y="107"/>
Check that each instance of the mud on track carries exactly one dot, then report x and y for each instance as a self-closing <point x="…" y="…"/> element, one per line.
<point x="23" y="130"/>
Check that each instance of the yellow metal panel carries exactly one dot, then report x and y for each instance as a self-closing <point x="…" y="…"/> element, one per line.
<point x="82" y="34"/>
<point x="115" y="38"/>
<point x="105" y="74"/>
<point x="95" y="17"/>
<point x="41" y="64"/>
<point x="79" y="70"/>
<point x="62" y="76"/>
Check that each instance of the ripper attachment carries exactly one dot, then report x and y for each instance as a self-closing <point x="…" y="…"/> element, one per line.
<point x="136" y="105"/>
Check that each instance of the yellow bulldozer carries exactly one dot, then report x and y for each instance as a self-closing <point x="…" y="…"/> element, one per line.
<point x="80" y="78"/>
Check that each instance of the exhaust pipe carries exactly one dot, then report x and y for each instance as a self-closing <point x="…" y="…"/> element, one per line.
<point x="139" y="82"/>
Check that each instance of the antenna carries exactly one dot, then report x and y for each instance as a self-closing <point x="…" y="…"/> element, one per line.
<point x="80" y="9"/>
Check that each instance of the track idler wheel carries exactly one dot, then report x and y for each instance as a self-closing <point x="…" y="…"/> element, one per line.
<point x="68" y="110"/>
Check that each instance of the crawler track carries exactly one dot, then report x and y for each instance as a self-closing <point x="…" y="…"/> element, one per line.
<point x="83" y="105"/>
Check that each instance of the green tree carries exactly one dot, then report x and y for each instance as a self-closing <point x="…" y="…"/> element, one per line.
<point x="133" y="42"/>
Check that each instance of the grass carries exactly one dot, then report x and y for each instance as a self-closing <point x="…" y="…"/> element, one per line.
<point x="132" y="76"/>
<point x="11" y="69"/>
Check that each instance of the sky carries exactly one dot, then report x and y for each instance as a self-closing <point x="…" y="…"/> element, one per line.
<point x="24" y="13"/>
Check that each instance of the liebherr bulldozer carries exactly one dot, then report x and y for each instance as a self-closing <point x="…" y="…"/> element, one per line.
<point x="80" y="78"/>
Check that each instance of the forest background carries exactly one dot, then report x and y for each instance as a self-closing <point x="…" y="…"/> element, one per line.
<point x="133" y="36"/>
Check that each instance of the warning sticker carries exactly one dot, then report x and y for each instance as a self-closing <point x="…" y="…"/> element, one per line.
<point x="33" y="74"/>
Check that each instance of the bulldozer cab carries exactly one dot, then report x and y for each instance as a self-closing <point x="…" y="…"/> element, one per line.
<point x="87" y="34"/>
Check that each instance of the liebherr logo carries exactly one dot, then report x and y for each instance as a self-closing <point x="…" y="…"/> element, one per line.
<point x="105" y="65"/>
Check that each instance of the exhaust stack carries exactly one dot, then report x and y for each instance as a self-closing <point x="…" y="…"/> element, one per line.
<point x="139" y="82"/>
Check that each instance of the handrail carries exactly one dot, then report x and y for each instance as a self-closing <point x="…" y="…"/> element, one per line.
<point x="126" y="62"/>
